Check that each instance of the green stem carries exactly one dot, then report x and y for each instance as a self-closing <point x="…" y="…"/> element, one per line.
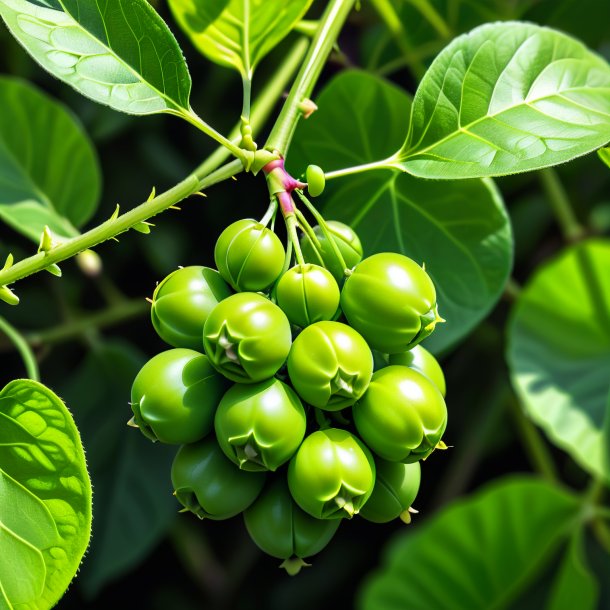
<point x="195" y="120"/>
<point x="512" y="290"/>
<point x="358" y="169"/>
<point x="602" y="533"/>
<point x="288" y="257"/>
<point x="309" y="234"/>
<point x="115" y="314"/>
<point x="433" y="17"/>
<point x="247" y="92"/>
<point x="114" y="226"/>
<point x="291" y="227"/>
<point x="572" y="230"/>
<point x="387" y="12"/>
<point x="592" y="280"/>
<point x="329" y="26"/>
<point x="594" y="498"/>
<point x="412" y="60"/>
<point x="261" y="109"/>
<point x="29" y="360"/>
<point x="533" y="444"/>
<point x="324" y="227"/>
<point x="270" y="213"/>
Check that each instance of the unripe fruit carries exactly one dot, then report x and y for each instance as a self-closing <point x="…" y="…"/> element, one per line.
<point x="330" y="365"/>
<point x="249" y="256"/>
<point x="209" y="485"/>
<point x="247" y="337"/>
<point x="182" y="302"/>
<point x="420" y="359"/>
<point x="316" y="181"/>
<point x="391" y="301"/>
<point x="175" y="395"/>
<point x="402" y="415"/>
<point x="260" y="426"/>
<point x="346" y="241"/>
<point x="396" y="486"/>
<point x="332" y="474"/>
<point x="307" y="294"/>
<point x="281" y="529"/>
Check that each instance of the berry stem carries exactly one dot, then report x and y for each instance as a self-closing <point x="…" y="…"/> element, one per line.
<point x="325" y="230"/>
<point x="270" y="213"/>
<point x="291" y="226"/>
<point x="310" y="235"/>
<point x="558" y="199"/>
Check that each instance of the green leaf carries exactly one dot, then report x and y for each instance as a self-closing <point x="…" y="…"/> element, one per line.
<point x="604" y="155"/>
<point x="575" y="586"/>
<point x="237" y="33"/>
<point x="460" y="231"/>
<point x="134" y="504"/>
<point x="478" y="553"/>
<point x="559" y="351"/>
<point x="506" y="98"/>
<point x="49" y="172"/>
<point x="115" y="52"/>
<point x="23" y="533"/>
<point x="45" y="497"/>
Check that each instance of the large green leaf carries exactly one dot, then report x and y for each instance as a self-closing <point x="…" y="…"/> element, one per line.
<point x="559" y="351"/>
<point x="134" y="504"/>
<point x="460" y="231"/>
<point x="478" y="553"/>
<point x="507" y="98"/>
<point x="116" y="52"/>
<point x="575" y="585"/>
<point x="49" y="173"/>
<point x="237" y="33"/>
<point x="45" y="497"/>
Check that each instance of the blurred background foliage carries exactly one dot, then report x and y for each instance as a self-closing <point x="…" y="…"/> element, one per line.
<point x="91" y="335"/>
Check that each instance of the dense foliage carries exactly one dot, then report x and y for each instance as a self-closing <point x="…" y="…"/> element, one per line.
<point x="397" y="256"/>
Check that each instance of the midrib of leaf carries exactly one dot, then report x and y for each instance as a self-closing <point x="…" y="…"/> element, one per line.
<point x="105" y="44"/>
<point x="465" y="129"/>
<point x="519" y="585"/>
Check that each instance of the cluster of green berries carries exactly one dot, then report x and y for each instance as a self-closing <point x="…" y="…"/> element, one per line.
<point x="298" y="396"/>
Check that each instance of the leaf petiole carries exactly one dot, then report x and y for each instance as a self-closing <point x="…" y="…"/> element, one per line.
<point x="21" y="345"/>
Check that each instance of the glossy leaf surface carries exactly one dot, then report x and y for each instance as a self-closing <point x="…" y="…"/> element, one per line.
<point x="45" y="497"/>
<point x="237" y="33"/>
<point x="506" y="98"/>
<point x="116" y="52"/>
<point x="559" y="351"/>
